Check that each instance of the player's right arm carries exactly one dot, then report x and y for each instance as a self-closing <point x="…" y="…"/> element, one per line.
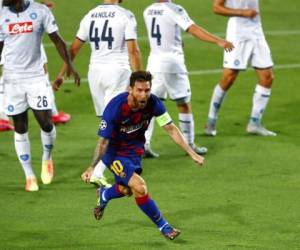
<point x="219" y="8"/>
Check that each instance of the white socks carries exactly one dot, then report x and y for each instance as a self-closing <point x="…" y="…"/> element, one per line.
<point x="48" y="140"/>
<point x="149" y="132"/>
<point x="22" y="146"/>
<point x="216" y="102"/>
<point x="186" y="125"/>
<point x="99" y="170"/>
<point x="260" y="100"/>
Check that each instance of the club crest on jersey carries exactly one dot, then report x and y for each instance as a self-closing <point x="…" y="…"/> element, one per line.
<point x="33" y="16"/>
<point x="20" y="28"/>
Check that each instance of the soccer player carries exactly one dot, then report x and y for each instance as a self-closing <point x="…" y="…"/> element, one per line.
<point x="111" y="32"/>
<point x="164" y="21"/>
<point x="57" y="117"/>
<point x="245" y="30"/>
<point x="121" y="145"/>
<point x="21" y="28"/>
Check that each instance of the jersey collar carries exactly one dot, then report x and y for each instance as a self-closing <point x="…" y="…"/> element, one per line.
<point x="24" y="7"/>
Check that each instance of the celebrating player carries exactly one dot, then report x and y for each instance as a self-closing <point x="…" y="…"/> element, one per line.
<point x="124" y="122"/>
<point x="245" y="30"/>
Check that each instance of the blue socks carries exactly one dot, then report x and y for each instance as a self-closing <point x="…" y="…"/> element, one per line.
<point x="148" y="206"/>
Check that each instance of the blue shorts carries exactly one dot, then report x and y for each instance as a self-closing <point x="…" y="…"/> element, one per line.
<point x="123" y="167"/>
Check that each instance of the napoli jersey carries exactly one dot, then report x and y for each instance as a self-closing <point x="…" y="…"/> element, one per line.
<point x="22" y="35"/>
<point x="125" y="128"/>
<point x="107" y="27"/>
<point x="164" y="22"/>
<point x="243" y="28"/>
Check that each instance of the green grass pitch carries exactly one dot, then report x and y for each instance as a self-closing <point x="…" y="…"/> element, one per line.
<point x="246" y="197"/>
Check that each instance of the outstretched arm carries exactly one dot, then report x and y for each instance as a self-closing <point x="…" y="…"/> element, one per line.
<point x="204" y="35"/>
<point x="220" y="9"/>
<point x="178" y="138"/>
<point x="134" y="55"/>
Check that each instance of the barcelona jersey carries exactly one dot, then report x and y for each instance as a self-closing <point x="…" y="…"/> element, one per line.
<point x="125" y="128"/>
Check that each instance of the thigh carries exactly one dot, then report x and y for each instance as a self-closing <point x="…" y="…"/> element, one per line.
<point x="261" y="57"/>
<point x="123" y="168"/>
<point x="178" y="86"/>
<point x="158" y="87"/>
<point x="15" y="101"/>
<point x="238" y="58"/>
<point x="38" y="94"/>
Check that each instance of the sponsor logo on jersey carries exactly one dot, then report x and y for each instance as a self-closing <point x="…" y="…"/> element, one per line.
<point x="20" y="28"/>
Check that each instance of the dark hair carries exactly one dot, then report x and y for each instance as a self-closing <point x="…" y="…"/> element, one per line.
<point x="140" y="76"/>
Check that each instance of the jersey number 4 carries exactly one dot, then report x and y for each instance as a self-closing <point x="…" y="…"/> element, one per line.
<point x="106" y="35"/>
<point x="155" y="31"/>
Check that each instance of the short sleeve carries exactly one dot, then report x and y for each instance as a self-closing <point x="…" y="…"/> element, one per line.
<point x="181" y="17"/>
<point x="49" y="21"/>
<point x="82" y="32"/>
<point x="107" y="124"/>
<point x="131" y="27"/>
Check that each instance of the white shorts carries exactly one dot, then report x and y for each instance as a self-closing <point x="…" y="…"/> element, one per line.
<point x="105" y="83"/>
<point x="256" y="52"/>
<point x="26" y="93"/>
<point x="177" y="86"/>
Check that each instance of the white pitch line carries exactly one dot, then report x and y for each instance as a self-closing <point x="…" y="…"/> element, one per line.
<point x="215" y="71"/>
<point x="187" y="36"/>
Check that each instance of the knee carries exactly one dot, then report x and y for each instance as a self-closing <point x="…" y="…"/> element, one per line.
<point x="21" y="128"/>
<point x="47" y="127"/>
<point x="184" y="108"/>
<point x="268" y="79"/>
<point x="140" y="190"/>
<point x="227" y="80"/>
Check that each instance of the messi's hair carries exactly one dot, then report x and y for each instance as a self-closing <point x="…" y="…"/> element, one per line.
<point x="140" y="76"/>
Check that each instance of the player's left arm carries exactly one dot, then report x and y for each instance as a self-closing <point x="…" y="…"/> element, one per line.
<point x="63" y="52"/>
<point x="179" y="139"/>
<point x="74" y="50"/>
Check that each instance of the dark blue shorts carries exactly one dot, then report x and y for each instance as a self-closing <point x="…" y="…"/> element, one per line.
<point x="123" y="167"/>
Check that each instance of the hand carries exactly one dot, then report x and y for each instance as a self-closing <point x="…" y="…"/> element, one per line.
<point x="226" y="45"/>
<point x="86" y="175"/>
<point x="58" y="82"/>
<point x="73" y="72"/>
<point x="249" y="13"/>
<point x="198" y="159"/>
